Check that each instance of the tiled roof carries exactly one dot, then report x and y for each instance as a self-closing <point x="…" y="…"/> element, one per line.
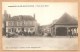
<point x="66" y="19"/>
<point x="22" y="17"/>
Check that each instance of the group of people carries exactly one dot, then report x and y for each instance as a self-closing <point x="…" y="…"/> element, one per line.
<point x="26" y="33"/>
<point x="22" y="33"/>
<point x="72" y="32"/>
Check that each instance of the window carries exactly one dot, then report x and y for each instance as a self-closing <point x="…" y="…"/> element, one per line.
<point x="9" y="30"/>
<point x="13" y="29"/>
<point x="15" y="23"/>
<point x="9" y="23"/>
<point x="19" y="28"/>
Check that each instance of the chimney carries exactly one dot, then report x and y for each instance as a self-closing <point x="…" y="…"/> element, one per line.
<point x="34" y="16"/>
<point x="5" y="13"/>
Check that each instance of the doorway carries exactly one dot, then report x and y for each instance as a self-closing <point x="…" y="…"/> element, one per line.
<point x="61" y="31"/>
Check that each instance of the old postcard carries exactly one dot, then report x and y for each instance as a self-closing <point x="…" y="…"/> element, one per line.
<point x="40" y="25"/>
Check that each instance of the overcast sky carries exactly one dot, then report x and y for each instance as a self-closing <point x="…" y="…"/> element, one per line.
<point x="45" y="12"/>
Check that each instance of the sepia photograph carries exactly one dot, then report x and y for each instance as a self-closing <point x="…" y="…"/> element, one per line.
<point x="40" y="25"/>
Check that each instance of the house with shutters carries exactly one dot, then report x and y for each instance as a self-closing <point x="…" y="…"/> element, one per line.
<point x="21" y="24"/>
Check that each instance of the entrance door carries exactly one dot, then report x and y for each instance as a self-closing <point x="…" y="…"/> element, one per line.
<point x="22" y="29"/>
<point x="61" y="31"/>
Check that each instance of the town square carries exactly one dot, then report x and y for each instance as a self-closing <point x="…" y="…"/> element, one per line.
<point x="40" y="26"/>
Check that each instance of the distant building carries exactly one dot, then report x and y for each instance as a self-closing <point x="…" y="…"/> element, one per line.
<point x="21" y="24"/>
<point x="64" y="26"/>
<point x="46" y="29"/>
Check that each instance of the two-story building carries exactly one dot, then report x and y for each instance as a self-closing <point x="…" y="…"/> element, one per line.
<point x="21" y="24"/>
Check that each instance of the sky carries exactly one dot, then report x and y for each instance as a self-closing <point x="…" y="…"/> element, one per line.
<point x="45" y="12"/>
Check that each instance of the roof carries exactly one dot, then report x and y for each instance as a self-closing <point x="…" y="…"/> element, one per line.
<point x="54" y="21"/>
<point x="66" y="19"/>
<point x="22" y="17"/>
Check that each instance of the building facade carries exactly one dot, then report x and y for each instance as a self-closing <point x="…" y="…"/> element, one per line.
<point x="21" y="25"/>
<point x="65" y="26"/>
<point x="25" y="25"/>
